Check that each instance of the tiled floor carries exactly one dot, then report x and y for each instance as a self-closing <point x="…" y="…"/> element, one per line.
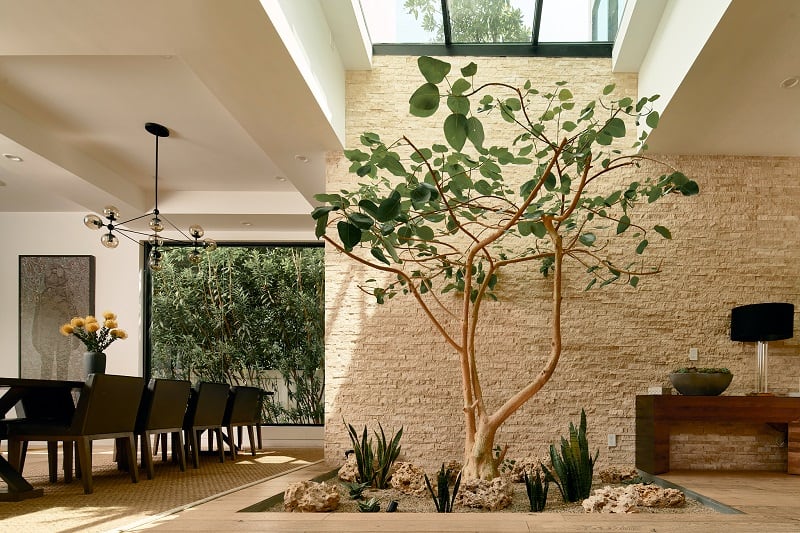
<point x="770" y="502"/>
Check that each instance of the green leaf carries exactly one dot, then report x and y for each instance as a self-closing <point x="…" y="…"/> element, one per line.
<point x="483" y="187"/>
<point x="587" y="239"/>
<point x="369" y="206"/>
<point x="425" y="233"/>
<point x="608" y="89"/>
<point x="334" y="199"/>
<point x="641" y="247"/>
<point x="591" y="284"/>
<point x="469" y="70"/>
<point x="425" y="100"/>
<point x="624" y="223"/>
<point x="389" y="207"/>
<point x="475" y="132"/>
<point x="456" y="130"/>
<point x="458" y="104"/>
<point x="652" y="119"/>
<point x="356" y="155"/>
<point x="564" y="94"/>
<point x="434" y="70"/>
<point x="664" y="232"/>
<point x="364" y="170"/>
<point x="377" y="253"/>
<point x="321" y="225"/>
<point x="615" y="127"/>
<point x="362" y="221"/>
<point x="460" y="86"/>
<point x="634" y="281"/>
<point x="322" y="210"/>
<point x="349" y="234"/>
<point x="568" y="125"/>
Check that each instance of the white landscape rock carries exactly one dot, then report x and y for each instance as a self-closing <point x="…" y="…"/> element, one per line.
<point x="349" y="470"/>
<point x="481" y="494"/>
<point x="627" y="499"/>
<point x="409" y="479"/>
<point x="310" y="497"/>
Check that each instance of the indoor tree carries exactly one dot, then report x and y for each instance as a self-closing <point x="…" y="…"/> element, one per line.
<point x="472" y="21"/>
<point x="448" y="218"/>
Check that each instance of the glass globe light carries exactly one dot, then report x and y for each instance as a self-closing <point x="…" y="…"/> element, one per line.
<point x="210" y="245"/>
<point x="155" y="260"/>
<point x="109" y="240"/>
<point x="92" y="221"/>
<point x="195" y="257"/>
<point x="196" y="231"/>
<point x="156" y="225"/>
<point x="155" y="240"/>
<point x="111" y="212"/>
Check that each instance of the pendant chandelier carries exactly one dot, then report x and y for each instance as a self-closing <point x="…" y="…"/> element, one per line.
<point x="114" y="226"/>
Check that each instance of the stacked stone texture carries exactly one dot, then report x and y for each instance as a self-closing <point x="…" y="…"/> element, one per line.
<point x="733" y="244"/>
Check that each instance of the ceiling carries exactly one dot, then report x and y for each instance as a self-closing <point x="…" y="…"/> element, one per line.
<point x="80" y="78"/>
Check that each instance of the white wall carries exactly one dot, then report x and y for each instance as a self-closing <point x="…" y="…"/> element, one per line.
<point x="117" y="281"/>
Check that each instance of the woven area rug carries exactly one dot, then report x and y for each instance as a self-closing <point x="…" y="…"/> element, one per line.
<point x="116" y="502"/>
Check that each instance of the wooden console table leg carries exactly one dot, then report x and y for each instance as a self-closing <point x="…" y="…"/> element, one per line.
<point x="793" y="444"/>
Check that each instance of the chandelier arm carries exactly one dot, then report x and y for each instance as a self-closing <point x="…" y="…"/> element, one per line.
<point x="134" y="219"/>
<point x="176" y="228"/>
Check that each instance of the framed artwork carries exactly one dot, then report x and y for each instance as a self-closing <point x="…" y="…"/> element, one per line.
<point x="52" y="290"/>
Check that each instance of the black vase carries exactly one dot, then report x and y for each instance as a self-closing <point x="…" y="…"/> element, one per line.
<point x="94" y="363"/>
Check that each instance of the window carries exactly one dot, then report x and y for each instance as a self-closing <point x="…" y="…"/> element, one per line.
<point x="493" y="27"/>
<point x="247" y="314"/>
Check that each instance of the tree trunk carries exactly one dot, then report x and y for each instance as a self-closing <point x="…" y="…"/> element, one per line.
<point x="480" y="462"/>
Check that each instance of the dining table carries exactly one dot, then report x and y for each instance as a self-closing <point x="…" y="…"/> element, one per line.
<point x="38" y="399"/>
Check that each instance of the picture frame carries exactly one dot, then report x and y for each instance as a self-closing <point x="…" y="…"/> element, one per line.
<point x="52" y="290"/>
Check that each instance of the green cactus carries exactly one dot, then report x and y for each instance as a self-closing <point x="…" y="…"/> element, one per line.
<point x="574" y="467"/>
<point x="537" y="491"/>
<point x="443" y="500"/>
<point x="355" y="490"/>
<point x="370" y="506"/>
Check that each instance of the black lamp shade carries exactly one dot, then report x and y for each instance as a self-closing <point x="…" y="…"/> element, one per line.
<point x="762" y="322"/>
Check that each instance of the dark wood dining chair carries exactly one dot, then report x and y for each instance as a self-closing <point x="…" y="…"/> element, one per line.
<point x="242" y="410"/>
<point x="205" y="411"/>
<point x="161" y="412"/>
<point x="106" y="409"/>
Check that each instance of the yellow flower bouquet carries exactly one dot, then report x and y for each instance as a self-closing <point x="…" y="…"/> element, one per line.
<point x="95" y="335"/>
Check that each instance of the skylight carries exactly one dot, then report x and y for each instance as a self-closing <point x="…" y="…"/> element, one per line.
<point x="524" y="27"/>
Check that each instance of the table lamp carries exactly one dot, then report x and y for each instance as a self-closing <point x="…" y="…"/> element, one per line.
<point x="761" y="323"/>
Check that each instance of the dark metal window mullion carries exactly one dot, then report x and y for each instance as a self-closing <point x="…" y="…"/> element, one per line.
<point x="448" y="32"/>
<point x="537" y="22"/>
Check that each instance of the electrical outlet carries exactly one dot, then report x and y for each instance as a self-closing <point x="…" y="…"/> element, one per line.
<point x="612" y="439"/>
<point x="692" y="354"/>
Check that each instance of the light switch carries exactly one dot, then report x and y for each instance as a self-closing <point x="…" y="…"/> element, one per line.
<point x="692" y="354"/>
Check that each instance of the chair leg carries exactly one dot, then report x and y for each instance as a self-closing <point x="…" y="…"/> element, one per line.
<point x="258" y="435"/>
<point x="232" y="443"/>
<point x="67" y="447"/>
<point x="218" y="431"/>
<point x="193" y="437"/>
<point x="78" y="469"/>
<point x="52" y="460"/>
<point x="129" y="444"/>
<point x="252" y="440"/>
<point x="85" y="458"/>
<point x="163" y="447"/>
<point x="147" y="455"/>
<point x="179" y="450"/>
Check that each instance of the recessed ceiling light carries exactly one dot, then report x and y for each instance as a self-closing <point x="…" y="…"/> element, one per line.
<point x="12" y="157"/>
<point x="790" y="82"/>
<point x="280" y="178"/>
<point x="302" y="158"/>
<point x="246" y="223"/>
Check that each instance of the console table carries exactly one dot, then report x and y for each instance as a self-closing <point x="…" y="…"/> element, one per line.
<point x="655" y="414"/>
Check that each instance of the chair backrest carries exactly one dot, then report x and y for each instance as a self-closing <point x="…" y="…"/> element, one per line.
<point x="48" y="405"/>
<point x="108" y="404"/>
<point x="244" y="406"/>
<point x="163" y="405"/>
<point x="206" y="405"/>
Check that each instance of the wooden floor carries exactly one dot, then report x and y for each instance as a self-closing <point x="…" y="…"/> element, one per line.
<point x="768" y="501"/>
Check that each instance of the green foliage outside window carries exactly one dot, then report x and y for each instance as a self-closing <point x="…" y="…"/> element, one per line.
<point x="239" y="314"/>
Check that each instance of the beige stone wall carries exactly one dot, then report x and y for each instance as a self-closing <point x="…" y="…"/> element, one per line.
<point x="733" y="244"/>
